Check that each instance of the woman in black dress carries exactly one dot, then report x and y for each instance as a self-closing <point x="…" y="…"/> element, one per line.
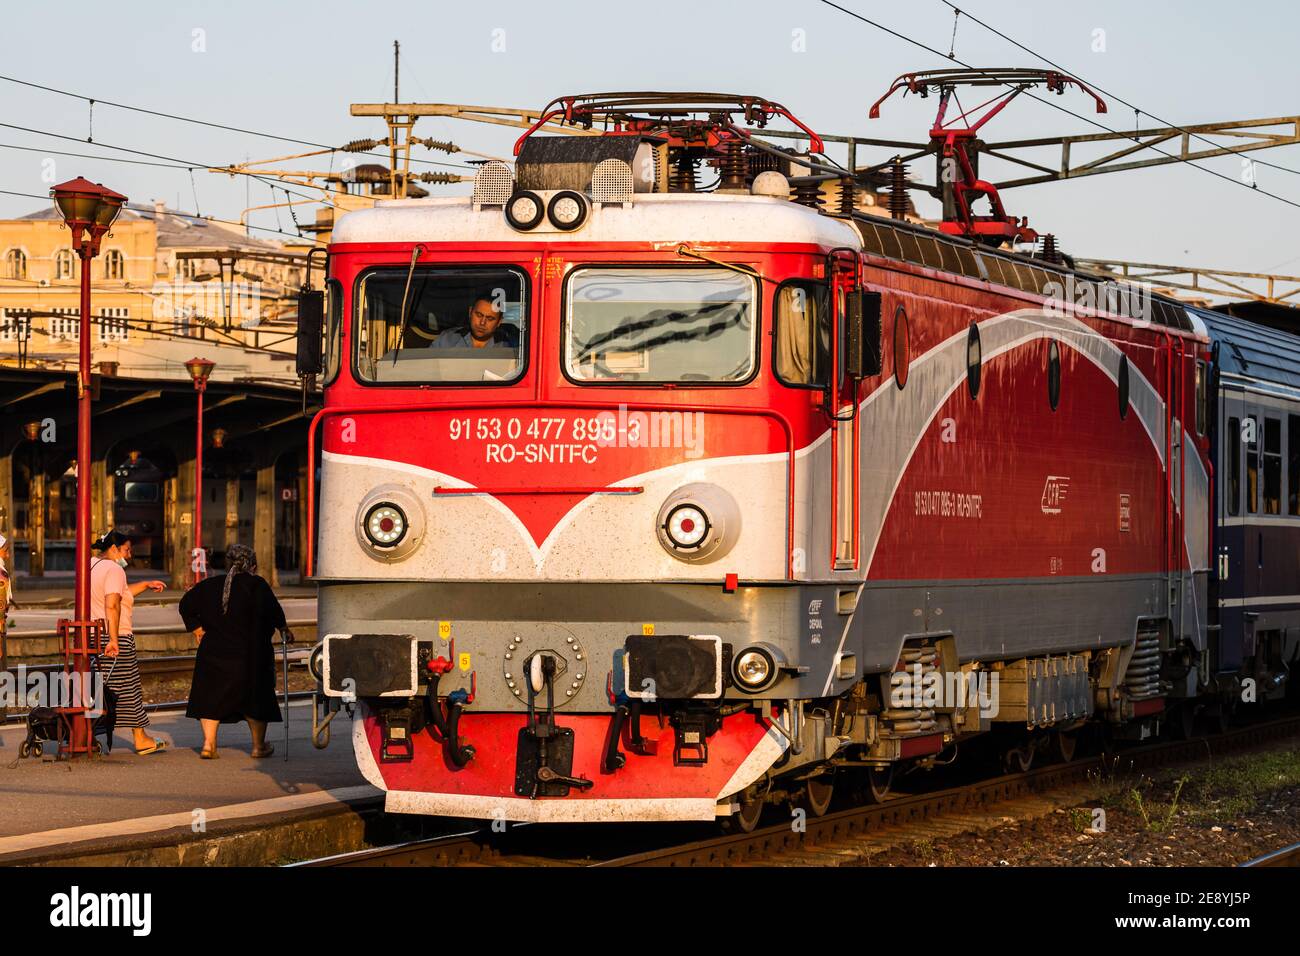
<point x="234" y="619"/>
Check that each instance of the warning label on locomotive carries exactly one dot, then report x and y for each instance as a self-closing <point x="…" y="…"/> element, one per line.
<point x="948" y="504"/>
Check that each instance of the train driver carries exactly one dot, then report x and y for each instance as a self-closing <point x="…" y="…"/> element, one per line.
<point x="484" y="327"/>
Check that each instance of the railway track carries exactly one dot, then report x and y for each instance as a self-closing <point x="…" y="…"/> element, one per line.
<point x="1287" y="856"/>
<point x="823" y="837"/>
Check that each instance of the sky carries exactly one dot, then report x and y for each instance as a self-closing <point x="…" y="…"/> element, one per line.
<point x="293" y="69"/>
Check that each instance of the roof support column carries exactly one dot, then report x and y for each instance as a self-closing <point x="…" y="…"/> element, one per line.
<point x="264" y="521"/>
<point x="36" y="521"/>
<point x="179" y="521"/>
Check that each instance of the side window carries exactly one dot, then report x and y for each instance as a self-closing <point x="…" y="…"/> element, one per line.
<point x="803" y="334"/>
<point x="1272" y="466"/>
<point x="1252" y="464"/>
<point x="974" y="360"/>
<point x="902" y="347"/>
<point x="114" y="264"/>
<point x="1053" y="374"/>
<point x="1232" y="451"/>
<point x="1123" y="387"/>
<point x="1293" y="464"/>
<point x="333" y="329"/>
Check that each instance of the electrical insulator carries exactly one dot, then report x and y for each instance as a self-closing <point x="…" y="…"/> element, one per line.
<point x="445" y="145"/>
<point x="360" y="175"/>
<point x="438" y="177"/>
<point x="363" y="145"/>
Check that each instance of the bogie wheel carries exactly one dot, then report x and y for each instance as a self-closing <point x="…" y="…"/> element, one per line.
<point x="1018" y="759"/>
<point x="744" y="820"/>
<point x="1064" y="745"/>
<point x="871" y="784"/>
<point x="816" y="793"/>
<point x="876" y="782"/>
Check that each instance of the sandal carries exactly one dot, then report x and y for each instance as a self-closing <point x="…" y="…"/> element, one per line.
<point x="208" y="754"/>
<point x="265" y="751"/>
<point x="158" y="745"/>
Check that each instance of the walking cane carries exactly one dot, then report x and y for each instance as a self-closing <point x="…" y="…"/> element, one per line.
<point x="285" y="636"/>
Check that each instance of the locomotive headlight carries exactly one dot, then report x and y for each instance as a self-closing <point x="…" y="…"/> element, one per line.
<point x="698" y="523"/>
<point x="754" y="668"/>
<point x="567" y="210"/>
<point x="525" y="210"/>
<point x="390" y="522"/>
<point x="687" y="527"/>
<point x="386" y="525"/>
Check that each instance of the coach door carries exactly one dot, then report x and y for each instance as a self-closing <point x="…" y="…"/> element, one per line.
<point x="1237" y="456"/>
<point x="855" y="353"/>
<point x="1176" y="479"/>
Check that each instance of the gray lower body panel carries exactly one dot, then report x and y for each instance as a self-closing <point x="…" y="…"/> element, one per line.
<point x="813" y="625"/>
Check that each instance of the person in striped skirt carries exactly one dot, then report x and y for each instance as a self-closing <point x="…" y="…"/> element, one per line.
<point x="112" y="600"/>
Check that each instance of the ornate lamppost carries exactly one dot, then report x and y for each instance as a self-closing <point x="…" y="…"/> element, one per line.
<point x="89" y="211"/>
<point x="199" y="369"/>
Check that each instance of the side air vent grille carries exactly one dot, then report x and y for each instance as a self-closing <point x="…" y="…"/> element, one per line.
<point x="494" y="183"/>
<point x="611" y="182"/>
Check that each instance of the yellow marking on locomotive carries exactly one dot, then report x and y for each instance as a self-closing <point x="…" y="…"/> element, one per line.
<point x="647" y="630"/>
<point x="444" y="630"/>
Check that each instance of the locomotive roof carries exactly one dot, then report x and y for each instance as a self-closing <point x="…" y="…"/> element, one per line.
<point x="1252" y="351"/>
<point x="730" y="217"/>
<point x="669" y="218"/>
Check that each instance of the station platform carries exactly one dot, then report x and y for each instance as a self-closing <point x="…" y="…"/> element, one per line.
<point x="172" y="808"/>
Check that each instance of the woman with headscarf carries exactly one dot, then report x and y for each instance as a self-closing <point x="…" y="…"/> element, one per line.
<point x="112" y="600"/>
<point x="234" y="619"/>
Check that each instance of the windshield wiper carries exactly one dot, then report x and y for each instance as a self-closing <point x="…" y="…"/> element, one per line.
<point x="401" y="332"/>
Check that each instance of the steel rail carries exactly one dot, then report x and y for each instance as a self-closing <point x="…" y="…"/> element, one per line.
<point x="1287" y="856"/>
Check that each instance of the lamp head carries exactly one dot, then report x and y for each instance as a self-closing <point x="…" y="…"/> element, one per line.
<point x="200" y="369"/>
<point x="88" y="210"/>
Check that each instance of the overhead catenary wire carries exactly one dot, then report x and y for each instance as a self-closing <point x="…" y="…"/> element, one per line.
<point x="1079" y="116"/>
<point x="181" y="167"/>
<point x="175" y="159"/>
<point x="199" y="122"/>
<point x="107" y="159"/>
<point x="139" y="207"/>
<point x="1114" y="96"/>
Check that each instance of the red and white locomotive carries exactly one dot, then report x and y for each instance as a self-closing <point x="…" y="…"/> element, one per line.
<point x="645" y="502"/>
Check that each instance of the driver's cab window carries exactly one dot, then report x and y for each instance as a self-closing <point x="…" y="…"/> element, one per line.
<point x="441" y="325"/>
<point x="803" y="334"/>
<point x="333" y="329"/>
